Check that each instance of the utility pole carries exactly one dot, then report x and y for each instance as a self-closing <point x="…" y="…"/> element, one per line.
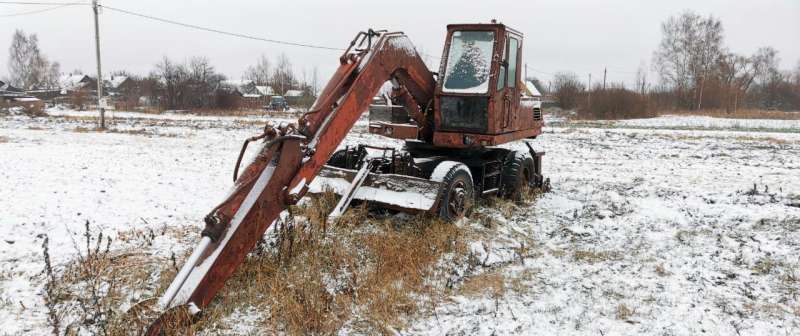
<point x="605" y="71"/>
<point x="99" y="70"/>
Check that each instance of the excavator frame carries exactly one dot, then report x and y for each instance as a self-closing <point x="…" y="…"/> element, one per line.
<point x="447" y="164"/>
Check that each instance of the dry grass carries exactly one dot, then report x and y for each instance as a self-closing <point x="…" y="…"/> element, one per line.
<point x="766" y="265"/>
<point x="774" y="141"/>
<point x="623" y="312"/>
<point x="86" y="294"/>
<point x="593" y="257"/>
<point x="316" y="275"/>
<point x="738" y="114"/>
<point x="521" y="282"/>
<point x="492" y="283"/>
<point x="138" y="131"/>
<point x="307" y="276"/>
<point x="739" y="138"/>
<point x="661" y="270"/>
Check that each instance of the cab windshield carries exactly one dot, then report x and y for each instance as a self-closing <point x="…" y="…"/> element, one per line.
<point x="469" y="62"/>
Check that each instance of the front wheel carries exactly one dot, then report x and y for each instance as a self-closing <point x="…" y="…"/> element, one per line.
<point x="517" y="175"/>
<point x="457" y="194"/>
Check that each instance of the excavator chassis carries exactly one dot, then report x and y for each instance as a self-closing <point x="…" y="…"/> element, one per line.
<point x="401" y="179"/>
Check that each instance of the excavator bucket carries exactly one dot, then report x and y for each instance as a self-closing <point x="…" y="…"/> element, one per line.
<point x="392" y="191"/>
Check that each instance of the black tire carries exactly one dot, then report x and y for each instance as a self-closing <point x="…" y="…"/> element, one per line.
<point x="457" y="193"/>
<point x="518" y="174"/>
<point x="338" y="159"/>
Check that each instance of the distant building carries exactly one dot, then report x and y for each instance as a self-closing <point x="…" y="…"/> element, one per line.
<point x="293" y="93"/>
<point x="69" y="83"/>
<point x="124" y="92"/>
<point x="7" y="88"/>
<point x="11" y="96"/>
<point x="265" y="90"/>
<point x="119" y="84"/>
<point x="298" y="98"/>
<point x="531" y="90"/>
<point x="241" y="87"/>
<point x="249" y="94"/>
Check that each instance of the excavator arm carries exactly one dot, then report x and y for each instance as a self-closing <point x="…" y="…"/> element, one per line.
<point x="289" y="158"/>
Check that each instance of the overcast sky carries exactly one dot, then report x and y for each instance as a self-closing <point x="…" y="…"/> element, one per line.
<point x="583" y="36"/>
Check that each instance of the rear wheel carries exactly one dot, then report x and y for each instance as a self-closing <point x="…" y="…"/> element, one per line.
<point x="457" y="193"/>
<point x="517" y="174"/>
<point x="338" y="159"/>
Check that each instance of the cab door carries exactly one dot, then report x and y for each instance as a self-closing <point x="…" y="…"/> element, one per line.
<point x="507" y="81"/>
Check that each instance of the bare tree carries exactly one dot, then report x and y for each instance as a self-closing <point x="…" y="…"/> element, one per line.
<point x="736" y="73"/>
<point x="172" y="76"/>
<point x="315" y="80"/>
<point x="190" y="85"/>
<point x="28" y="68"/>
<point x="260" y="72"/>
<point x="567" y="88"/>
<point x="689" y="49"/>
<point x="202" y="81"/>
<point x="641" y="79"/>
<point x="283" y="76"/>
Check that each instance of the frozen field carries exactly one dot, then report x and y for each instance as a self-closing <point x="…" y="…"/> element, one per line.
<point x="683" y="122"/>
<point x="646" y="231"/>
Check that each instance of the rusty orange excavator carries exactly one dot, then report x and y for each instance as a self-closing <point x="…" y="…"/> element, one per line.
<point x="451" y="123"/>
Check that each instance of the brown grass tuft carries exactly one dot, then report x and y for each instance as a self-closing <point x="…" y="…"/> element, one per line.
<point x="490" y="283"/>
<point x="624" y="312"/>
<point x="596" y="256"/>
<point x="661" y="270"/>
<point x="765" y="265"/>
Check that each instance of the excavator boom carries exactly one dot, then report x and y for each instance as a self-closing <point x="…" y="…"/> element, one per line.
<point x="288" y="161"/>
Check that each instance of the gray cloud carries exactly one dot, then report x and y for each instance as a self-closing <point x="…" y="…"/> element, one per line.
<point x="583" y="36"/>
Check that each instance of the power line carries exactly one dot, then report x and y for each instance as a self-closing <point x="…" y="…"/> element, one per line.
<point x="543" y="72"/>
<point x="37" y="11"/>
<point x="150" y="17"/>
<point x="41" y="3"/>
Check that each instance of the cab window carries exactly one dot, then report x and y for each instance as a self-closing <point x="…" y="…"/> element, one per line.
<point x="513" y="51"/>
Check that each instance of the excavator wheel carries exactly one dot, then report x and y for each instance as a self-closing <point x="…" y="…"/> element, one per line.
<point x="457" y="193"/>
<point x="517" y="174"/>
<point x="338" y="159"/>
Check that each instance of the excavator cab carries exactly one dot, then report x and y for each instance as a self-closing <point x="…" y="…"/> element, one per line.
<point x="477" y="99"/>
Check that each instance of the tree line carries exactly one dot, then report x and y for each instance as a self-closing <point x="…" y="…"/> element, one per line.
<point x="192" y="84"/>
<point x="696" y="71"/>
<point x="196" y="83"/>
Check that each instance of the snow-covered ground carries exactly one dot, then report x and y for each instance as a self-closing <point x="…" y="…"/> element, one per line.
<point x="672" y="121"/>
<point x="646" y="231"/>
<point x="683" y="122"/>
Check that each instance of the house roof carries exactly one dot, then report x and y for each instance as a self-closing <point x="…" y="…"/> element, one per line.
<point x="265" y="90"/>
<point x="532" y="90"/>
<point x="237" y="83"/>
<point x="116" y="81"/>
<point x="73" y="82"/>
<point x="293" y="93"/>
<point x="241" y="86"/>
<point x="5" y="87"/>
